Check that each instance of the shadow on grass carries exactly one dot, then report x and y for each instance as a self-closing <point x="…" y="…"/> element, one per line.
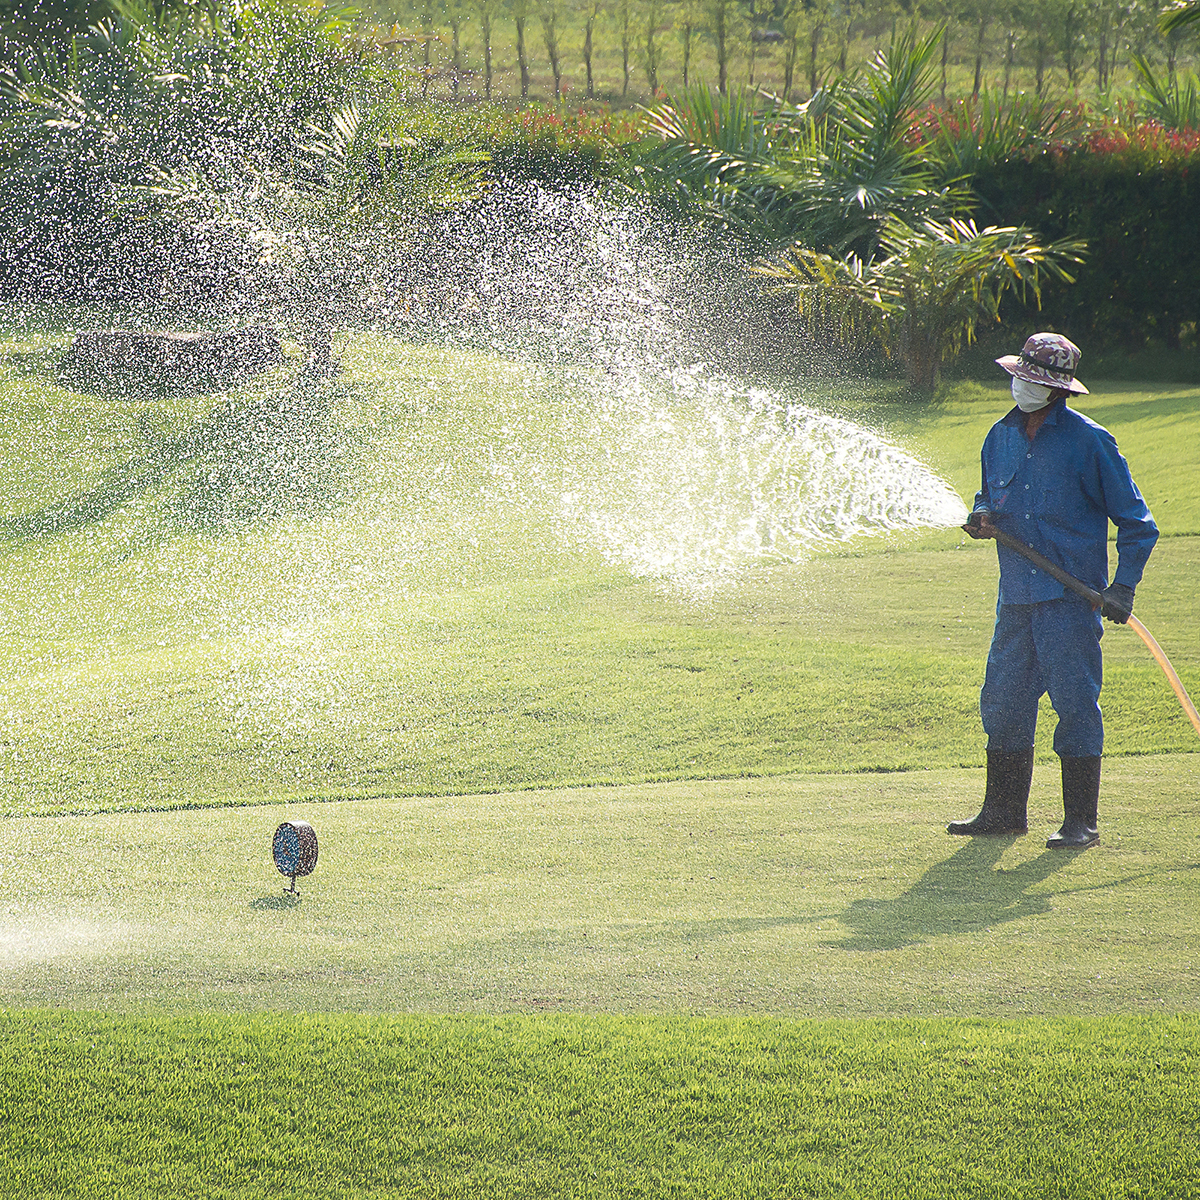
<point x="278" y="900"/>
<point x="964" y="894"/>
<point x="248" y="458"/>
<point x="37" y="363"/>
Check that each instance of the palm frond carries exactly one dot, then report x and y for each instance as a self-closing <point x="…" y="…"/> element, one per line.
<point x="333" y="147"/>
<point x="1172" y="105"/>
<point x="928" y="288"/>
<point x="897" y="81"/>
<point x="1179" y="16"/>
<point x="722" y="132"/>
<point x="830" y="288"/>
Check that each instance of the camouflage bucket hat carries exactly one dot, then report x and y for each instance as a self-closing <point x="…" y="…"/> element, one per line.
<point x="1049" y="359"/>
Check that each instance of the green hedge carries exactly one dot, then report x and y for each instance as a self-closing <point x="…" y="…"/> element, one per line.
<point x="1136" y="200"/>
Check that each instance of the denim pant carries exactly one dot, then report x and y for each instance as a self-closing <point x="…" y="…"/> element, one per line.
<point x="1050" y="647"/>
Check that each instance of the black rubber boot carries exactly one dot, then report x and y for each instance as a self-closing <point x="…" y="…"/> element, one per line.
<point x="1081" y="798"/>
<point x="1006" y="798"/>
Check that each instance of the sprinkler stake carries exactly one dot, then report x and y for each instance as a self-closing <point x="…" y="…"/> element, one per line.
<point x="294" y="849"/>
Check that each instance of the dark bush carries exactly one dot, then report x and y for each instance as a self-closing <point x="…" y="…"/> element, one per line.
<point x="1135" y="199"/>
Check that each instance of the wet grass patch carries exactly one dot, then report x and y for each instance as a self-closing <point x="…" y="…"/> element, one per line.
<point x="810" y="895"/>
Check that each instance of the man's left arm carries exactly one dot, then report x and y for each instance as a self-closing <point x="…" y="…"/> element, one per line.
<point x="1136" y="530"/>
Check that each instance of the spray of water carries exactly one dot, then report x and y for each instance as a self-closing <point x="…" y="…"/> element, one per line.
<point x="581" y="324"/>
<point x="665" y="458"/>
<point x="542" y="374"/>
<point x="696" y="490"/>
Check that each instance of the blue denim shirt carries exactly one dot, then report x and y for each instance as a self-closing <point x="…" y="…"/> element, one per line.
<point x="1058" y="494"/>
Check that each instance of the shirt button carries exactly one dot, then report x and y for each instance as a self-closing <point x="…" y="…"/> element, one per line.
<point x="1027" y="516"/>
<point x="1033" y="570"/>
<point x="1027" y="487"/>
<point x="1029" y="456"/>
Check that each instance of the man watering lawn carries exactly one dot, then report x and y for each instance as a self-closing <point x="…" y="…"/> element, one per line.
<point x="1053" y="479"/>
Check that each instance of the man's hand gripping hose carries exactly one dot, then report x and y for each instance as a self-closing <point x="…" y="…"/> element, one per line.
<point x="1115" y="602"/>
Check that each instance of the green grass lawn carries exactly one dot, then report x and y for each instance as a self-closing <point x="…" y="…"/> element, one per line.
<point x="800" y="896"/>
<point x="500" y="981"/>
<point x="415" y="620"/>
<point x="611" y="1106"/>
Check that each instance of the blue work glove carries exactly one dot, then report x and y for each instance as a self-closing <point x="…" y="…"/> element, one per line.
<point x="1116" y="603"/>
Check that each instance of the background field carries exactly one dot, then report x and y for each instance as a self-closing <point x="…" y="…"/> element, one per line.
<point x="867" y="32"/>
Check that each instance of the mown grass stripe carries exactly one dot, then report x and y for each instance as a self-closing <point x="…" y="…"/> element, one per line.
<point x="338" y="1105"/>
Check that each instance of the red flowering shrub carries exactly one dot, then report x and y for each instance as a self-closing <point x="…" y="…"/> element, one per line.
<point x="1148" y="141"/>
<point x="596" y="134"/>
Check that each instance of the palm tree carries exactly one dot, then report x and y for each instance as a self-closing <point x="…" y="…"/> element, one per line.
<point x="928" y="289"/>
<point x="827" y="172"/>
<point x="1172" y="103"/>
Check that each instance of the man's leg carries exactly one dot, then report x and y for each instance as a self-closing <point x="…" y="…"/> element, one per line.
<point x="1008" y="704"/>
<point x="1067" y="634"/>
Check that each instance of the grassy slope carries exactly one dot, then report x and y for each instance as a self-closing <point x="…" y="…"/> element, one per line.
<point x="522" y="1107"/>
<point x="420" y="639"/>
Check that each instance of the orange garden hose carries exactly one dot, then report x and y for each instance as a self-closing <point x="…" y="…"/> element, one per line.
<point x="1168" y="670"/>
<point x="1093" y="598"/>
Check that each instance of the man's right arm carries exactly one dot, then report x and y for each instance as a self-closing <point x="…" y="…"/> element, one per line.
<point x="979" y="523"/>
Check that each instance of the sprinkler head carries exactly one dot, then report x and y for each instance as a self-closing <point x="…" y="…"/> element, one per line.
<point x="294" y="849"/>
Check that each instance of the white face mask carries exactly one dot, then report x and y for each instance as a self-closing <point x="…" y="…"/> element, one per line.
<point x="1030" y="396"/>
